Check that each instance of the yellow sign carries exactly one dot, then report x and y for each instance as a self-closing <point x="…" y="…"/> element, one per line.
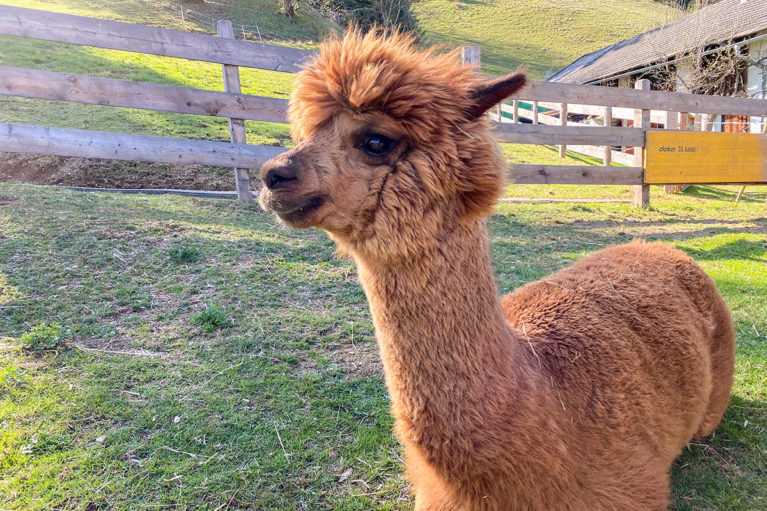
<point x="688" y="157"/>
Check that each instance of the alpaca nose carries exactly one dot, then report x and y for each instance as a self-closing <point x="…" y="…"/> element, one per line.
<point x="278" y="173"/>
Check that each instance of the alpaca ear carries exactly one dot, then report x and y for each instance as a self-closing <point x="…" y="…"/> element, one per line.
<point x="488" y="93"/>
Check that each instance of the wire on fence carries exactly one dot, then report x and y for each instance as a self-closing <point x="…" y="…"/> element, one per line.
<point x="208" y="23"/>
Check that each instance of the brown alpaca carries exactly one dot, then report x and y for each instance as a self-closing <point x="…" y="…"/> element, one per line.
<point x="572" y="393"/>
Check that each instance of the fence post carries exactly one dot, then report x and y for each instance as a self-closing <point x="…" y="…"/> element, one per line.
<point x="471" y="55"/>
<point x="608" y="156"/>
<point x="535" y="112"/>
<point x="562" y="122"/>
<point x="641" y="120"/>
<point x="515" y="114"/>
<point x="236" y="126"/>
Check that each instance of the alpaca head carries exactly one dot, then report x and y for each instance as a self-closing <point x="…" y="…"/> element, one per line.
<point x="392" y="146"/>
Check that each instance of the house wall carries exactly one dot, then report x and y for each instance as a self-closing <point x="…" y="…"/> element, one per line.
<point x="757" y="79"/>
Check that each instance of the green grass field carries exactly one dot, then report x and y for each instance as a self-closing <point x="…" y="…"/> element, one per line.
<point x="307" y="25"/>
<point x="542" y="37"/>
<point x="210" y="359"/>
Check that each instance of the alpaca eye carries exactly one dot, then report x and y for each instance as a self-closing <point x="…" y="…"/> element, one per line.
<point x="376" y="145"/>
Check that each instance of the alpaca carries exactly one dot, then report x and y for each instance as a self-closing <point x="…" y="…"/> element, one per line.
<point x="575" y="392"/>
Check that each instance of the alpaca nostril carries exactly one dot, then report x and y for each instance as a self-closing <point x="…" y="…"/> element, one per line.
<point x="279" y="177"/>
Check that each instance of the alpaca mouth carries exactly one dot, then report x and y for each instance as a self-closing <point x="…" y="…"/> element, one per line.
<point x="293" y="213"/>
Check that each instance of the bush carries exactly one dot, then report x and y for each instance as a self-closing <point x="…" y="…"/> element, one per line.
<point x="42" y="337"/>
<point x="211" y="319"/>
<point x="390" y="14"/>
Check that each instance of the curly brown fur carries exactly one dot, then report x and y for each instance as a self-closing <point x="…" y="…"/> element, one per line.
<point x="572" y="393"/>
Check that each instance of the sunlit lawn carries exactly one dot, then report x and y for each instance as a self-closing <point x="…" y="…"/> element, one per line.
<point x="151" y="402"/>
<point x="542" y="36"/>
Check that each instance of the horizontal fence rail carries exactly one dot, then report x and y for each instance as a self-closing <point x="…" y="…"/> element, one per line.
<point x="640" y="99"/>
<point x="117" y="35"/>
<point x="32" y="83"/>
<point x="20" y="138"/>
<point x="586" y="135"/>
<point x="526" y="174"/>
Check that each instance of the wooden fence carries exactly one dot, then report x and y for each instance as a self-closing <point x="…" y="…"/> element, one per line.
<point x="232" y="104"/>
<point x="237" y="107"/>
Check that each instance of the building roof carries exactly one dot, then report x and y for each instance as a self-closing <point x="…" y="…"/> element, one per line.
<point x="723" y="21"/>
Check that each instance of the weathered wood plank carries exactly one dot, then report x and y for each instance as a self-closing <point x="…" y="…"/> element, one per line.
<point x="607" y="150"/>
<point x="574" y="175"/>
<point x="649" y="100"/>
<point x="471" y="55"/>
<point x="236" y="126"/>
<point x="578" y="135"/>
<point x="641" y="193"/>
<point x="21" y="138"/>
<point x="116" y="35"/>
<point x="563" y="123"/>
<point x="33" y="83"/>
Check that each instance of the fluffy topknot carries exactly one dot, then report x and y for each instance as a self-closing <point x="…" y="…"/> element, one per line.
<point x="381" y="72"/>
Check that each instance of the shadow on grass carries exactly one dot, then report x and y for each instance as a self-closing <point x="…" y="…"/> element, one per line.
<point x="739" y="249"/>
<point x="720" y="194"/>
<point x="718" y="226"/>
<point x="585" y="234"/>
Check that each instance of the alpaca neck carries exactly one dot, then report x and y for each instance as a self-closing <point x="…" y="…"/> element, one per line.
<point x="444" y="341"/>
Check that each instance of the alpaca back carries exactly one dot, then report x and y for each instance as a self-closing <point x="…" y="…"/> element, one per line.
<point x="639" y="347"/>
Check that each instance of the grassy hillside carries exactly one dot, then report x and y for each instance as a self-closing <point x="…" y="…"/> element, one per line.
<point x="308" y="24"/>
<point x="540" y="35"/>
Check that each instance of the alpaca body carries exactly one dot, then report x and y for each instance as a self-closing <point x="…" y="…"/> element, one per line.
<point x="585" y="389"/>
<point x="573" y="393"/>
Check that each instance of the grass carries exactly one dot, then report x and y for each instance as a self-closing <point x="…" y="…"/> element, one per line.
<point x="541" y="36"/>
<point x="285" y="408"/>
<point x="308" y="24"/>
<point x="216" y="360"/>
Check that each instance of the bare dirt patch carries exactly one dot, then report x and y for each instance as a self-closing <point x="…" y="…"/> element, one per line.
<point x="98" y="173"/>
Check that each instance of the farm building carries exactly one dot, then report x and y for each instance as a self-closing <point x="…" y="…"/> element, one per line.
<point x="720" y="49"/>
